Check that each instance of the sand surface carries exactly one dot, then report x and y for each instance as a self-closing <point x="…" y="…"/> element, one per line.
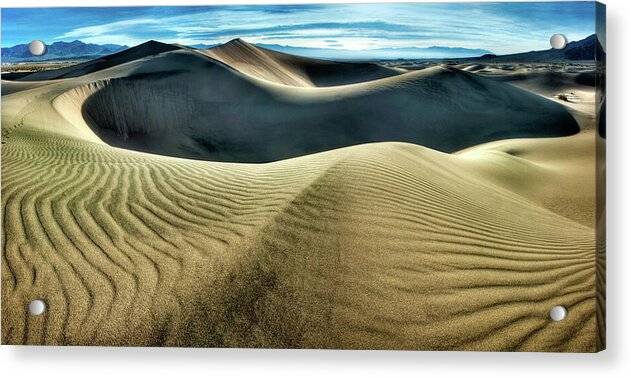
<point x="412" y="232"/>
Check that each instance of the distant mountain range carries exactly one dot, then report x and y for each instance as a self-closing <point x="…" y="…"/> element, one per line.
<point x="60" y="51"/>
<point x="585" y="49"/>
<point x="588" y="48"/>
<point x="80" y="50"/>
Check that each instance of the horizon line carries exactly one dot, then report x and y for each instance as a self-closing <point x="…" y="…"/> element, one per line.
<point x="282" y="45"/>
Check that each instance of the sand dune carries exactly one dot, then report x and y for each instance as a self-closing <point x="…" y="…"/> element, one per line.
<point x="473" y="67"/>
<point x="295" y="70"/>
<point x="144" y="50"/>
<point x="553" y="82"/>
<point x="540" y="169"/>
<point x="183" y="104"/>
<point x="547" y="80"/>
<point x="10" y="86"/>
<point x="378" y="245"/>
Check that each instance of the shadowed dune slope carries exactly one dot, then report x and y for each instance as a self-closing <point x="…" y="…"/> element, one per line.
<point x="548" y="83"/>
<point x="199" y="108"/>
<point x="294" y="70"/>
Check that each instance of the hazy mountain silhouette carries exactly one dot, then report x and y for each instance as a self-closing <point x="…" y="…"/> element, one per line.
<point x="60" y="51"/>
<point x="588" y="48"/>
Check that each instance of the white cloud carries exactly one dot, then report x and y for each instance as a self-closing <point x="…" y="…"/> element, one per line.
<point x="87" y="32"/>
<point x="119" y="39"/>
<point x="405" y="26"/>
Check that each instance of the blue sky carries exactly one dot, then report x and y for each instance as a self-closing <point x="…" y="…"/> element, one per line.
<point x="498" y="27"/>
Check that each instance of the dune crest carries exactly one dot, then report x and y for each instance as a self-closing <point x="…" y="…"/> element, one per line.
<point x="294" y="70"/>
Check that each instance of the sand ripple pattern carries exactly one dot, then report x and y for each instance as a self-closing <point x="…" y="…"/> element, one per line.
<point x="374" y="246"/>
<point x="377" y="246"/>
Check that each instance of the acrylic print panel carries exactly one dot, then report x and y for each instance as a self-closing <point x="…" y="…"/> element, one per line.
<point x="410" y="176"/>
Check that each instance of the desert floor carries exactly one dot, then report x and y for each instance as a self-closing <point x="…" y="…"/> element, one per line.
<point x="463" y="239"/>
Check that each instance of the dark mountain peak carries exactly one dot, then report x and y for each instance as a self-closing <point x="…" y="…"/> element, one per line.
<point x="587" y="41"/>
<point x="588" y="48"/>
<point x="74" y="43"/>
<point x="591" y="37"/>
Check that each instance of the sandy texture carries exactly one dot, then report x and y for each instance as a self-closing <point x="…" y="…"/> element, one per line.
<point x="376" y="245"/>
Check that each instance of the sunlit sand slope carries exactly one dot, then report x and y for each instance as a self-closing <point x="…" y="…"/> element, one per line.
<point x="377" y="246"/>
